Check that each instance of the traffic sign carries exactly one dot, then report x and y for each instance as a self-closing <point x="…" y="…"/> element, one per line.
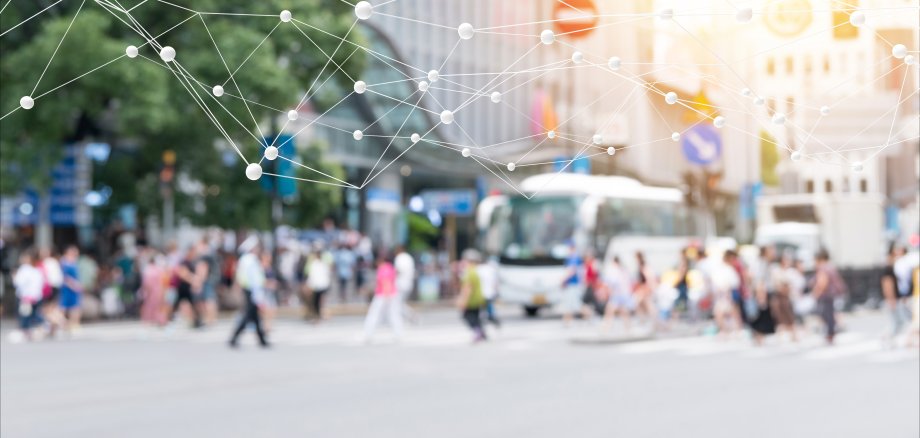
<point x="702" y="144"/>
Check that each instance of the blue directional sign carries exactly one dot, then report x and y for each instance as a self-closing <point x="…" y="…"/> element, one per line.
<point x="286" y="149"/>
<point x="458" y="202"/>
<point x="702" y="144"/>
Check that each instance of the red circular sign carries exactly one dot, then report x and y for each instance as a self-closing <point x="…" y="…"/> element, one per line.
<point x="575" y="18"/>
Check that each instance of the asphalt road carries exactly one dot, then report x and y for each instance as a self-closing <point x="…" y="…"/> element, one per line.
<point x="123" y="379"/>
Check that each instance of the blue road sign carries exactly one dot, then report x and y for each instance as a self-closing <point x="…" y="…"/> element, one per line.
<point x="702" y="144"/>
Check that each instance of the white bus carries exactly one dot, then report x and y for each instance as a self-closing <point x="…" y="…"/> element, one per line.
<point x="607" y="215"/>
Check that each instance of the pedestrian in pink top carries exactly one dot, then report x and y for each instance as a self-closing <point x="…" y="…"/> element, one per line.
<point x="153" y="285"/>
<point x="385" y="300"/>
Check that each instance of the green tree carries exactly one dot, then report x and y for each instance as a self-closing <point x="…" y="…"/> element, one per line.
<point x="142" y="108"/>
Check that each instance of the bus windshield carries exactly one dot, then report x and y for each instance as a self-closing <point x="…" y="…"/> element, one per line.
<point x="538" y="230"/>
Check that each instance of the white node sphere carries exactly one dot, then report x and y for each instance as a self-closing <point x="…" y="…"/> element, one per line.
<point x="675" y="136"/>
<point x="423" y="86"/>
<point x="465" y="152"/>
<point x="217" y="90"/>
<point x="271" y="153"/>
<point x="614" y="63"/>
<point x="858" y="18"/>
<point x="758" y="101"/>
<point x="168" y="54"/>
<point x="26" y="102"/>
<point x="131" y="51"/>
<point x="511" y="166"/>
<point x="415" y="137"/>
<point x="796" y="156"/>
<point x="825" y="110"/>
<point x="447" y="117"/>
<point x="670" y="98"/>
<point x="746" y="92"/>
<point x="666" y="14"/>
<point x="578" y="57"/>
<point x="358" y="135"/>
<point x="360" y="87"/>
<point x="910" y="60"/>
<point x="253" y="171"/>
<point x="611" y="150"/>
<point x="718" y="122"/>
<point x="465" y="30"/>
<point x="433" y="76"/>
<point x="285" y="16"/>
<point x="496" y="97"/>
<point x="547" y="37"/>
<point x="744" y="15"/>
<point x="857" y="166"/>
<point x="551" y="134"/>
<point x="597" y="139"/>
<point x="293" y="115"/>
<point x="899" y="51"/>
<point x="779" y="119"/>
<point x="363" y="10"/>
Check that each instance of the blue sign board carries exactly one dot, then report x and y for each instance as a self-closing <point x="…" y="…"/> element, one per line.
<point x="580" y="165"/>
<point x="286" y="149"/>
<point x="458" y="202"/>
<point x="702" y="144"/>
<point x="64" y="191"/>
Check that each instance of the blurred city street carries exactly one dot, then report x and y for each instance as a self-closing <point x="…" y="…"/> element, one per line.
<point x="122" y="379"/>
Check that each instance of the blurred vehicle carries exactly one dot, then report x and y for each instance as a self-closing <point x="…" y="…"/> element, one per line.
<point x="609" y="215"/>
<point x="806" y="222"/>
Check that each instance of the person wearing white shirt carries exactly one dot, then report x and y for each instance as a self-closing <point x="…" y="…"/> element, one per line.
<point x="28" y="282"/>
<point x="405" y="281"/>
<point x="250" y="276"/>
<point x="319" y="278"/>
<point x="488" y="281"/>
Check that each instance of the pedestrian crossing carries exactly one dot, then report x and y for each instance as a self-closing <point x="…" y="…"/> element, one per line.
<point x="289" y="333"/>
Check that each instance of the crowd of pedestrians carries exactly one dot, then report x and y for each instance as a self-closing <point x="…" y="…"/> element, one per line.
<point x="772" y="294"/>
<point x="766" y="295"/>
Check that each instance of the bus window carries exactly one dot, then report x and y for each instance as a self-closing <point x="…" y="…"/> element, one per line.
<point x="632" y="217"/>
<point x="540" y="229"/>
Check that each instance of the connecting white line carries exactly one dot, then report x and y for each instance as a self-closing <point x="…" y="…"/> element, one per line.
<point x="407" y="94"/>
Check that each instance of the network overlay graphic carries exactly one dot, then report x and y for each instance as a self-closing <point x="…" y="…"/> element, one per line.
<point x="498" y="85"/>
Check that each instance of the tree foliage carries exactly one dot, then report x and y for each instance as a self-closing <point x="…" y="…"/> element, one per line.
<point x="142" y="108"/>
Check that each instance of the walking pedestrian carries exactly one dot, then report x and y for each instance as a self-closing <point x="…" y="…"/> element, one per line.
<point x="405" y="281"/>
<point x="781" y="306"/>
<point x="470" y="300"/>
<point x="589" y="299"/>
<point x="644" y="289"/>
<point x="764" y="275"/>
<point x="190" y="275"/>
<point x="829" y="286"/>
<point x="488" y="279"/>
<point x="384" y="301"/>
<point x="72" y="288"/>
<point x="50" y="312"/>
<point x="153" y="289"/>
<point x="270" y="292"/>
<point x="250" y="276"/>
<point x="207" y="298"/>
<point x="619" y="296"/>
<point x="571" y="285"/>
<point x="28" y="281"/>
<point x="319" y="279"/>
<point x="345" y="261"/>
<point x="741" y="293"/>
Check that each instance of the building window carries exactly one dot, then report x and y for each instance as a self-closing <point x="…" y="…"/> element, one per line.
<point x="810" y="186"/>
<point x="827" y="64"/>
<point x="771" y="66"/>
<point x="790" y="65"/>
<point x="863" y="186"/>
<point x="828" y="186"/>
